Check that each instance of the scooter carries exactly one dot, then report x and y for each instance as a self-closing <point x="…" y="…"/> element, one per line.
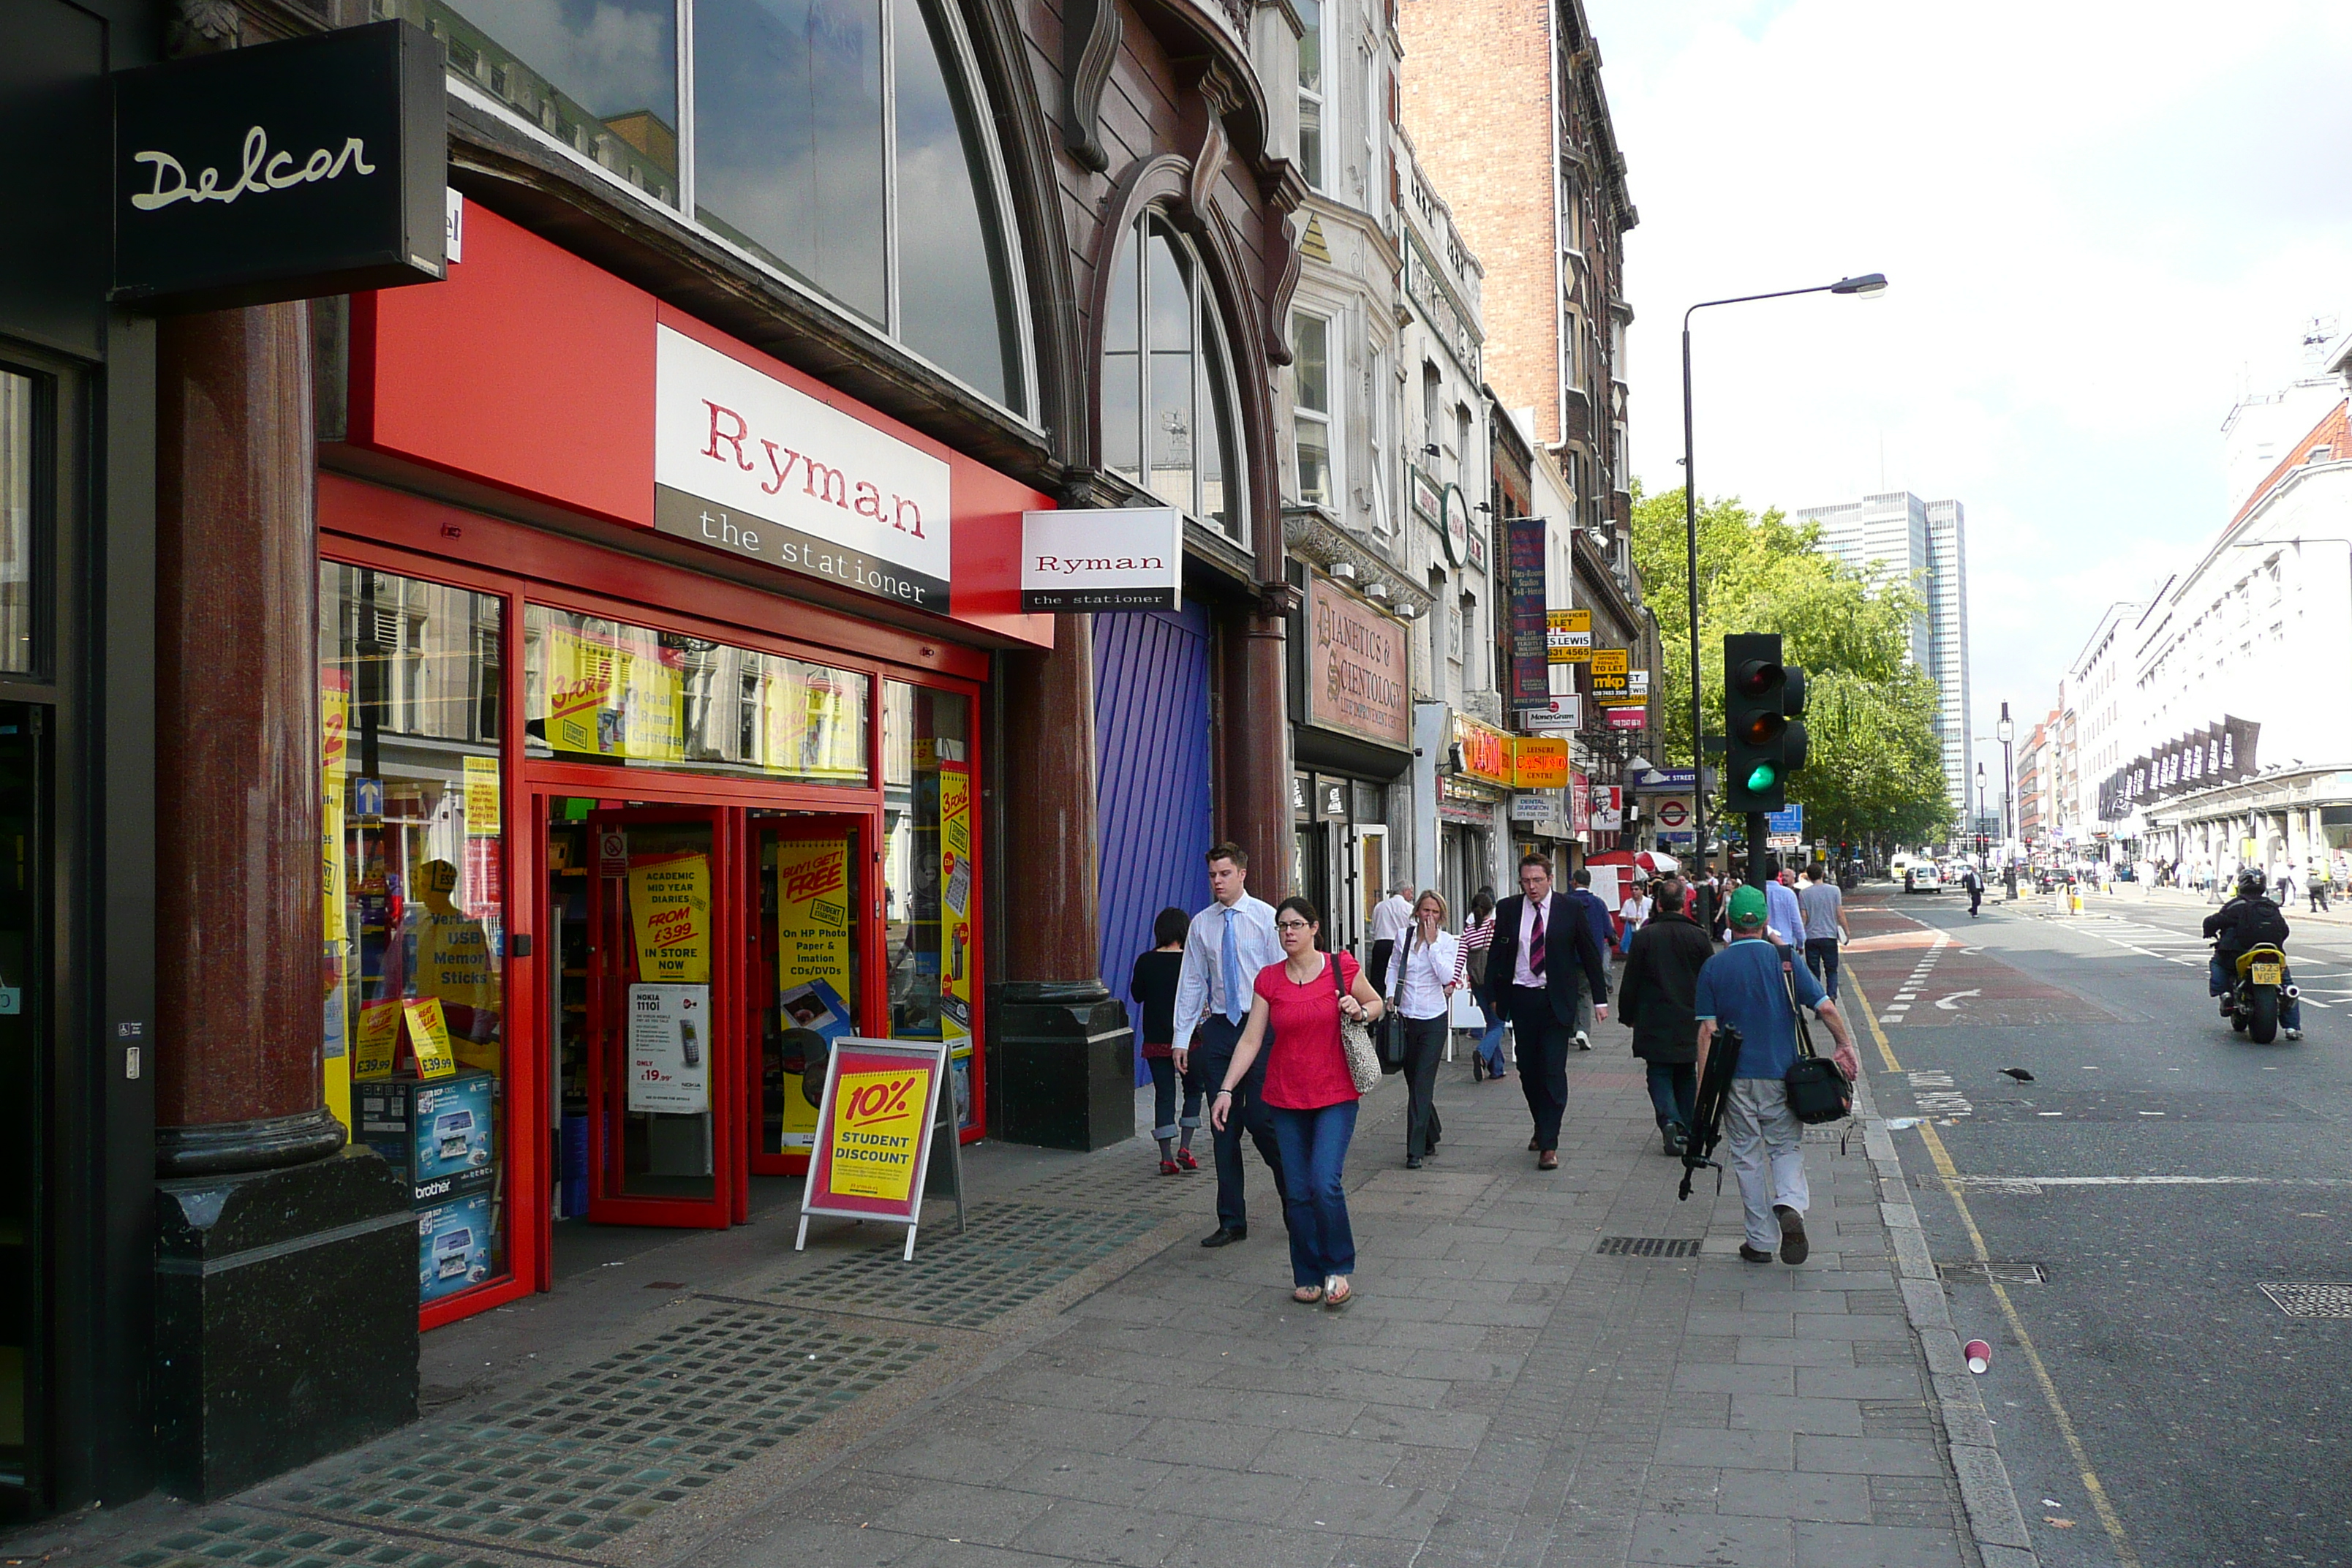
<point x="2252" y="1004"/>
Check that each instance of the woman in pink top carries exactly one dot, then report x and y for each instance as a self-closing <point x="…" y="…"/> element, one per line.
<point x="1308" y="1095"/>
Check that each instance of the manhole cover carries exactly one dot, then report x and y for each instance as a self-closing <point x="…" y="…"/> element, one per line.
<point x="2310" y="1300"/>
<point x="1647" y="1247"/>
<point x="1010" y="1253"/>
<point x="1993" y="1273"/>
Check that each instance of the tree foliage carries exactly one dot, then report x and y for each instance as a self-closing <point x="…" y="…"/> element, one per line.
<point x="1876" y="767"/>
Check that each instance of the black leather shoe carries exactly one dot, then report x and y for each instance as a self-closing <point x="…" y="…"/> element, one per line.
<point x="1225" y="1235"/>
<point x="1754" y="1254"/>
<point x="1794" y="1248"/>
<point x="1413" y="1161"/>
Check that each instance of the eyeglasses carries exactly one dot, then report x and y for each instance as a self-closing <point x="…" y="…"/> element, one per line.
<point x="1290" y="925"/>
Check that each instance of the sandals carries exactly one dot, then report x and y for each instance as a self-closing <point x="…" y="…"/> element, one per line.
<point x="1307" y="1294"/>
<point x="1336" y="1292"/>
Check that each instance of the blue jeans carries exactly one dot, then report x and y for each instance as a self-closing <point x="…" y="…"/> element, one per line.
<point x="1315" y="1195"/>
<point x="1490" y="1043"/>
<point x="1674" y="1092"/>
<point x="2223" y="972"/>
<point x="1164" y="1079"/>
<point x="1822" y="958"/>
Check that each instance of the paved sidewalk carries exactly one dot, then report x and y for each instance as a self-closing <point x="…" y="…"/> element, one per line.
<point x="1077" y="1381"/>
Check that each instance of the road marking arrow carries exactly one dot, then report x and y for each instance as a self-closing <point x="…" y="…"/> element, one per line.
<point x="1952" y="1004"/>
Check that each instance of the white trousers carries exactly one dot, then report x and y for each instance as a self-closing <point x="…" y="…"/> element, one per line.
<point x="1763" y="1132"/>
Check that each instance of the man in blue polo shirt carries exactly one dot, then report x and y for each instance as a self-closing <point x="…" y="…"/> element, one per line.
<point x="1746" y="988"/>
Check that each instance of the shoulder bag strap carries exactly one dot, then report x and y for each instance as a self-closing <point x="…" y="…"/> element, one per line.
<point x="1788" y="987"/>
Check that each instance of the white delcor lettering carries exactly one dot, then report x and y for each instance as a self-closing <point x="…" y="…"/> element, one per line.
<point x="259" y="173"/>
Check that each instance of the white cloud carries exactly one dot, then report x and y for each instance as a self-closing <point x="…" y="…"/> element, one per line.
<point x="2101" y="222"/>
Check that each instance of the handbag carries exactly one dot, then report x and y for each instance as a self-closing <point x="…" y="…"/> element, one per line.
<point x="1818" y="1091"/>
<point x="1355" y="1041"/>
<point x="1388" y="1035"/>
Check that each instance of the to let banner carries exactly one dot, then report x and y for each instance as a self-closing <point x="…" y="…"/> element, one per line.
<point x="1531" y="618"/>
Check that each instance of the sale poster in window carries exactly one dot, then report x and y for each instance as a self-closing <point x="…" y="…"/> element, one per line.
<point x="812" y="960"/>
<point x="670" y="911"/>
<point x="670" y="1048"/>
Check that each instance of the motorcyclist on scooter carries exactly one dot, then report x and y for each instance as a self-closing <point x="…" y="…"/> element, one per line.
<point x="2248" y="920"/>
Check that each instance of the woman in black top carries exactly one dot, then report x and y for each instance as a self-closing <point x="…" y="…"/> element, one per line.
<point x="1154" y="985"/>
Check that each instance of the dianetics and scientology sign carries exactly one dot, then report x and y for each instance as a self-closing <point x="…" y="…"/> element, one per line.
<point x="874" y="1130"/>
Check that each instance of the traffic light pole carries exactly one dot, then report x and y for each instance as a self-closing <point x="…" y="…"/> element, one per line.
<point x="1757" y="861"/>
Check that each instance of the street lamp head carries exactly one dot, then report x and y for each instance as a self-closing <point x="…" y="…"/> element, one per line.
<point x="1869" y="286"/>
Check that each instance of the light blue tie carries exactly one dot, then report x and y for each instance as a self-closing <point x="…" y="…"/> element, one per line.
<point x="1230" y="970"/>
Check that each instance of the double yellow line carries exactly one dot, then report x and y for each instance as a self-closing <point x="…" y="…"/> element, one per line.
<point x="1950" y="1172"/>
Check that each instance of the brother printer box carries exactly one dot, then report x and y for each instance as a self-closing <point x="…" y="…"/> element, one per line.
<point x="436" y="1132"/>
<point x="453" y="1245"/>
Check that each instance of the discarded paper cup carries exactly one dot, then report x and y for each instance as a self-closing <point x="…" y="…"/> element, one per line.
<point x="1980" y="1355"/>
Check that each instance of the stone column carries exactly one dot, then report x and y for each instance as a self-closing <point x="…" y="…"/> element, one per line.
<point x="286" y="1295"/>
<point x="1256" y="810"/>
<point x="1061" y="1052"/>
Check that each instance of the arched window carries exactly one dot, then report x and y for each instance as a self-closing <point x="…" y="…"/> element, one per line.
<point x="1168" y="409"/>
<point x="837" y="141"/>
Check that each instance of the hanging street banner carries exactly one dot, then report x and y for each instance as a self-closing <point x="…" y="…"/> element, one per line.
<point x="1538" y="763"/>
<point x="874" y="1132"/>
<point x="1634" y="718"/>
<point x="1567" y="636"/>
<point x="1562" y="715"/>
<point x="1523" y="571"/>
<point x="1109" y="558"/>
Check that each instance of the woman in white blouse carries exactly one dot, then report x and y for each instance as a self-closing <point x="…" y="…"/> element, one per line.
<point x="1421" y="989"/>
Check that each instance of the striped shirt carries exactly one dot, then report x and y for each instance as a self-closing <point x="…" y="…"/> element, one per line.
<point x="1476" y="937"/>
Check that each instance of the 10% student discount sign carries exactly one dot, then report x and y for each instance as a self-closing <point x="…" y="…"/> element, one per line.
<point x="874" y="1130"/>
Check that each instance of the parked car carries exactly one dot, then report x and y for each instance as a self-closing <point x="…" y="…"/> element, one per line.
<point x="1923" y="877"/>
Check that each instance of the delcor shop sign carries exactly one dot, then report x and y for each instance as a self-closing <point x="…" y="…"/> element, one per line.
<point x="745" y="463"/>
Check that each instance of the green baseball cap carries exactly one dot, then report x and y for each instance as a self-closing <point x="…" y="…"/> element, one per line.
<point x="1748" y="906"/>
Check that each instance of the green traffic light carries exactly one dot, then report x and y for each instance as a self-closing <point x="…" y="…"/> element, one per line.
<point x="1762" y="779"/>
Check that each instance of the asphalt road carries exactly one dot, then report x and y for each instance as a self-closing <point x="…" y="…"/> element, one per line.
<point x="2157" y="1173"/>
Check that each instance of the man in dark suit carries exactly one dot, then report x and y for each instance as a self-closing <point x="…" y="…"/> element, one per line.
<point x="1543" y="950"/>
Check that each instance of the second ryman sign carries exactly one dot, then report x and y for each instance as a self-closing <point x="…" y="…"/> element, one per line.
<point x="746" y="464"/>
<point x="1356" y="668"/>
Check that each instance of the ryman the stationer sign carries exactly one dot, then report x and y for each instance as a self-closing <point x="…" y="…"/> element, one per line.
<point x="284" y="171"/>
<point x="1106" y="558"/>
<point x="745" y="463"/>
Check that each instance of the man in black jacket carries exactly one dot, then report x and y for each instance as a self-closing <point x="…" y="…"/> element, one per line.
<point x="1542" y="948"/>
<point x="1654" y="999"/>
<point x="2246" y="922"/>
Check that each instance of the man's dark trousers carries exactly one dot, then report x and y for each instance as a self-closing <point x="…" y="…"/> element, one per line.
<point x="1976" y="897"/>
<point x="1212" y="1054"/>
<point x="1544" y="1044"/>
<point x="1822" y="958"/>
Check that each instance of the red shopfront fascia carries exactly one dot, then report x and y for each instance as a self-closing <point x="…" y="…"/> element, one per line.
<point x="533" y="372"/>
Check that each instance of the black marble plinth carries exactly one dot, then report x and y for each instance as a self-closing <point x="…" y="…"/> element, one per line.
<point x="285" y="1319"/>
<point x="1062" y="1065"/>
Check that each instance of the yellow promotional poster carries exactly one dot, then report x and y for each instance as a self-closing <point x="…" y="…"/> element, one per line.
<point x="670" y="907"/>
<point x="812" y="947"/>
<point x="815" y="721"/>
<point x="955" y="932"/>
<point x="1538" y="763"/>
<point x="428" y="1037"/>
<point x="334" y="766"/>
<point x="605" y="701"/>
<point x="378" y="1040"/>
<point x="878" y="1126"/>
<point x="454" y="968"/>
<point x="482" y="811"/>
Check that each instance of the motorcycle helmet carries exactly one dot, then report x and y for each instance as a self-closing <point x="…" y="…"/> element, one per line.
<point x="2252" y="884"/>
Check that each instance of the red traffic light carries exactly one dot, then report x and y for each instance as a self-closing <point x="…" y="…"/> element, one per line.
<point x="1756" y="677"/>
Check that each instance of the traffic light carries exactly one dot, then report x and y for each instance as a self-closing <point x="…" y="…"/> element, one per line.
<point x="1762" y="702"/>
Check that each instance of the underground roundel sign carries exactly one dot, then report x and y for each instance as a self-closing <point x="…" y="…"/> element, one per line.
<point x="1673" y="814"/>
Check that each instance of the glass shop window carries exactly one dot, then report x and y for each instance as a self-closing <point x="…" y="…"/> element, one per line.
<point x="931" y="903"/>
<point x="413" y="840"/>
<point x="20" y="444"/>
<point x="814" y="126"/>
<point x="597" y="690"/>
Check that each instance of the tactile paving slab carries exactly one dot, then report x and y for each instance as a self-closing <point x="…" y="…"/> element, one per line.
<point x="1010" y="1253"/>
<point x="573" y="1464"/>
<point x="265" y="1544"/>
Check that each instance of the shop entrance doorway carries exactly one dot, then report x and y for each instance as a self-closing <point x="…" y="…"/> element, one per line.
<point x="813" y="886"/>
<point x="649" y="1042"/>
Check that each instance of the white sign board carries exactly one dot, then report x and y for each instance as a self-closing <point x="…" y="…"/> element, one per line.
<point x="1562" y="715"/>
<point x="748" y="464"/>
<point x="670" y="1048"/>
<point x="1673" y="812"/>
<point x="1536" y="808"/>
<point x="1110" y="558"/>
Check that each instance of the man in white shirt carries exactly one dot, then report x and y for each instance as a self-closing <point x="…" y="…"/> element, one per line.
<point x="1786" y="923"/>
<point x="1229" y="942"/>
<point x="1392" y="917"/>
<point x="1545" y="953"/>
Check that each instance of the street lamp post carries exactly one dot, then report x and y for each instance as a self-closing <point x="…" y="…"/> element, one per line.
<point x="1978" y="834"/>
<point x="2007" y="863"/>
<point x="1869" y="285"/>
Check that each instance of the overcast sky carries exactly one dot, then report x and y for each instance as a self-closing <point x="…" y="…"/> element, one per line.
<point x="2102" y="222"/>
